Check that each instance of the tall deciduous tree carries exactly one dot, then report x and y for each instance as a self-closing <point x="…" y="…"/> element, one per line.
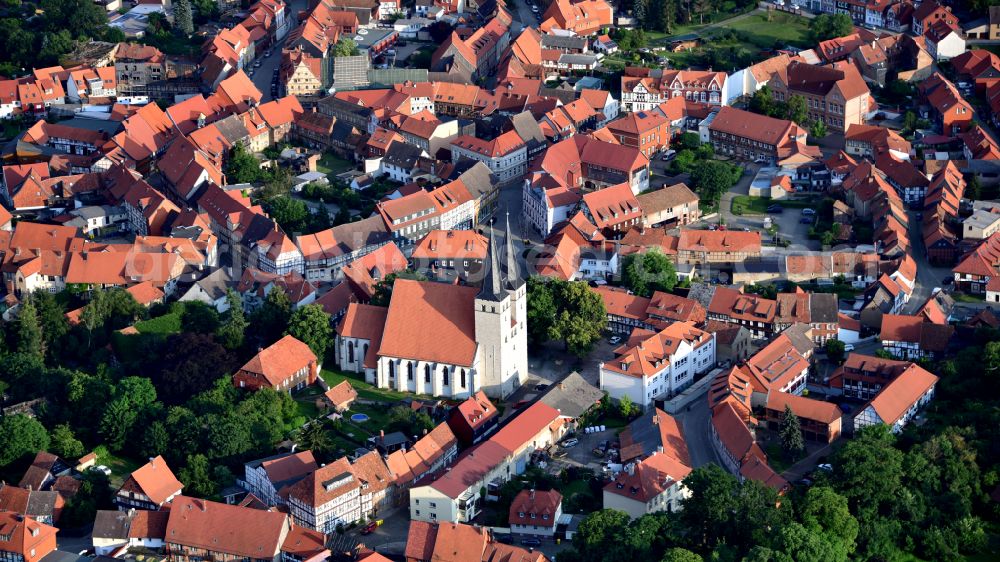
<point x="270" y="321"/>
<point x="797" y="110"/>
<point x="828" y="26"/>
<point x="29" y="331"/>
<point x="231" y="333"/>
<point x="649" y="271"/>
<point x="541" y="309"/>
<point x="197" y="477"/>
<point x="581" y="317"/>
<point x="311" y="325"/>
<point x="20" y="436"/>
<point x="242" y="167"/>
<point x="64" y="443"/>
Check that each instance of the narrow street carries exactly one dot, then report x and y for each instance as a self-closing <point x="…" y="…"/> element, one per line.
<point x="263" y="75"/>
<point x="695" y="423"/>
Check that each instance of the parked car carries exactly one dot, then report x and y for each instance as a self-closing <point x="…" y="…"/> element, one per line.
<point x="256" y="64"/>
<point x="522" y="403"/>
<point x="849" y="347"/>
<point x="541" y="386"/>
<point x="267" y="53"/>
<point x="826" y="466"/>
<point x="531" y="541"/>
<point x="805" y="220"/>
<point x="615" y="340"/>
<point x="722" y="227"/>
<point x="775" y="209"/>
<point x="808" y="212"/>
<point x="371" y="526"/>
<point x="571" y="442"/>
<point x="948" y="280"/>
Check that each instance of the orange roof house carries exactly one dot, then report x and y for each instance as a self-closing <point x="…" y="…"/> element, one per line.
<point x="534" y="510"/>
<point x="472" y="420"/>
<point x="24" y="538"/>
<point x="583" y="17"/>
<point x="341" y="396"/>
<point x="286" y="365"/>
<point x="149" y="487"/>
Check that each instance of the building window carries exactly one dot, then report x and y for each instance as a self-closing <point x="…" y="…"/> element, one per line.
<point x="409" y="371"/>
<point x="392" y="369"/>
<point x="427" y="374"/>
<point x="445" y="378"/>
<point x="463" y="378"/>
<point x="350" y="352"/>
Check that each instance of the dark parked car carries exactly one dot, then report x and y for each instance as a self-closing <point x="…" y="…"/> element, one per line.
<point x="531" y="541"/>
<point x="805" y="220"/>
<point x="776" y="209"/>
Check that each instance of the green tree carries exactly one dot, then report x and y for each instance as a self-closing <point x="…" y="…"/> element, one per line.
<point x="639" y="11"/>
<point x="801" y="545"/>
<point x="197" y="477"/>
<point x="383" y="289"/>
<point x="791" y="434"/>
<point x="51" y="318"/>
<point x="183" y="17"/>
<point x="712" y="178"/>
<point x="409" y="422"/>
<point x="707" y="512"/>
<point x="648" y="272"/>
<point x="974" y="189"/>
<point x="291" y="214"/>
<point x="825" y="513"/>
<point x="20" y="436"/>
<point x="29" y="331"/>
<point x="678" y="554"/>
<point x="626" y="408"/>
<point x="199" y="318"/>
<point x="311" y="325"/>
<point x="763" y="102"/>
<point x="598" y="531"/>
<point x="64" y="443"/>
<point x="116" y="423"/>
<point x="910" y="121"/>
<point x="242" y="167"/>
<point x="834" y="350"/>
<point x="346" y="47"/>
<point x="234" y="325"/>
<point x="190" y="364"/>
<point x="155" y="439"/>
<point x="828" y="26"/>
<point x="270" y="321"/>
<point x="581" y="317"/>
<point x="797" y="109"/>
<point x="541" y="309"/>
<point x="818" y="129"/>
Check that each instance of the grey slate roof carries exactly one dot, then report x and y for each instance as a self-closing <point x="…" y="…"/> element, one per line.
<point x="572" y="396"/>
<point x="823" y="308"/>
<point x="111" y="524"/>
<point x="564" y="42"/>
<point x="216" y="283"/>
<point x="798" y="334"/>
<point x="402" y="155"/>
<point x="703" y="293"/>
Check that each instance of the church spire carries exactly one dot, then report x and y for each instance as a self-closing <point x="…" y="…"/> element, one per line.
<point x="492" y="286"/>
<point x="513" y="273"/>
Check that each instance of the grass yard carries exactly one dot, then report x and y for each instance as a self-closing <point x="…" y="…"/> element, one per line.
<point x="365" y="390"/>
<point x="121" y="467"/>
<point x="162" y="325"/>
<point x="578" y="497"/>
<point x="787" y="28"/>
<point x="331" y="165"/>
<point x="776" y="457"/>
<point x="966" y="297"/>
<point x="752" y="205"/>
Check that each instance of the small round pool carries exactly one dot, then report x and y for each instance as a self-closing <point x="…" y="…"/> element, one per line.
<point x="359" y="418"/>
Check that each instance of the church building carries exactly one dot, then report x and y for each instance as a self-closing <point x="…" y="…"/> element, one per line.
<point x="442" y="339"/>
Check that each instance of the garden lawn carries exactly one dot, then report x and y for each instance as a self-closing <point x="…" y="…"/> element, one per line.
<point x="577" y="495"/>
<point x="331" y="165"/>
<point x="787" y="28"/>
<point x="121" y="467"/>
<point x="776" y="457"/>
<point x="365" y="390"/>
<point x="753" y="205"/>
<point x="162" y="325"/>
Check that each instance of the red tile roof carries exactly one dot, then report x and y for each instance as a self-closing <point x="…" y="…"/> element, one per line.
<point x="217" y="527"/>
<point x="896" y="397"/>
<point x="431" y="322"/>
<point x="535" y="507"/>
<point x="157" y="481"/>
<point x="281" y="360"/>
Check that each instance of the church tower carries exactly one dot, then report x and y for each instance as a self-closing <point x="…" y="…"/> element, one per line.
<point x="501" y="330"/>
